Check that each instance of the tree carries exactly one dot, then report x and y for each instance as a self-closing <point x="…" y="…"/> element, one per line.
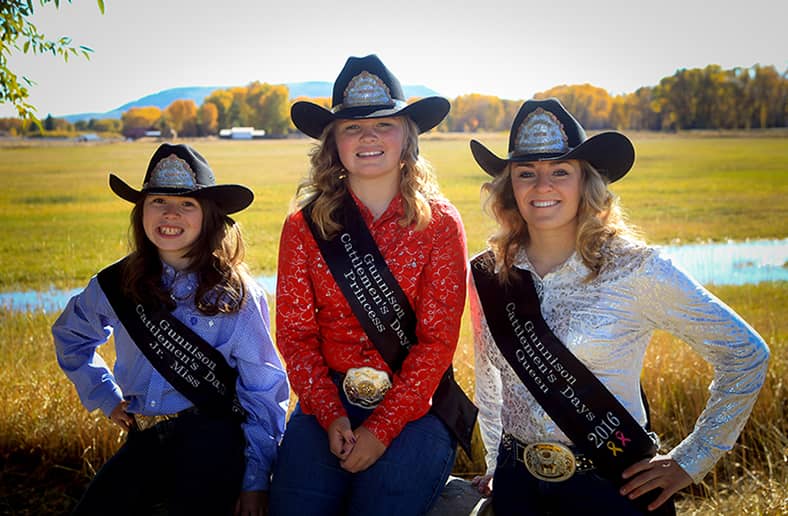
<point x="137" y="120"/>
<point x="207" y="119"/>
<point x="223" y="101"/>
<point x="590" y="104"/>
<point x="105" y="125"/>
<point x="475" y="112"/>
<point x="510" y="109"/>
<point x="270" y="107"/>
<point x="768" y="92"/>
<point x="13" y="126"/>
<point x="18" y="34"/>
<point x="182" y="117"/>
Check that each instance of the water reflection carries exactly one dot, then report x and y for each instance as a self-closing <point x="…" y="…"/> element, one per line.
<point x="733" y="263"/>
<point x="730" y="263"/>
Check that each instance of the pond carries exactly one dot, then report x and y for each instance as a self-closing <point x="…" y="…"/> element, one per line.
<point x="729" y="263"/>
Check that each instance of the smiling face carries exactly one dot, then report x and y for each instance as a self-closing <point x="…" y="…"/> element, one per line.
<point x="172" y="224"/>
<point x="548" y="194"/>
<point x="370" y="148"/>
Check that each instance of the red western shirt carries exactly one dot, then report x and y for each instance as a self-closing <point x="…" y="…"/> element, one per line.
<point x="316" y="330"/>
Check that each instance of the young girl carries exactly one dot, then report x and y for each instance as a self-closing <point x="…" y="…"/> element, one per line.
<point x="563" y="308"/>
<point x="370" y="291"/>
<point x="196" y="382"/>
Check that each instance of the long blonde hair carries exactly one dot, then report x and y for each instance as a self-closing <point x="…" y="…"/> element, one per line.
<point x="326" y="185"/>
<point x="599" y="219"/>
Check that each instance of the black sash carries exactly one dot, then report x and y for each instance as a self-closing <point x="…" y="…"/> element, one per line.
<point x="574" y="398"/>
<point x="383" y="310"/>
<point x="189" y="363"/>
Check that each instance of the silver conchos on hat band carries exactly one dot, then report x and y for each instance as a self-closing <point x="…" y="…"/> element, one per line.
<point x="172" y="172"/>
<point x="540" y="132"/>
<point x="365" y="89"/>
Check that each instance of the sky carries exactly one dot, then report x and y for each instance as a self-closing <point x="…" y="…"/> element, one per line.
<point x="511" y="49"/>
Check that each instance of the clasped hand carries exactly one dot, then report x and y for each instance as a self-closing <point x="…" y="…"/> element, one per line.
<point x="357" y="450"/>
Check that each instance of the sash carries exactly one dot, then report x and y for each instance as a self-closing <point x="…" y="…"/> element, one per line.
<point x="384" y="312"/>
<point x="574" y="398"/>
<point x="189" y="363"/>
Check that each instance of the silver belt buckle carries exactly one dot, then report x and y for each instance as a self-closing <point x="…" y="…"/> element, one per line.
<point x="365" y="386"/>
<point x="551" y="462"/>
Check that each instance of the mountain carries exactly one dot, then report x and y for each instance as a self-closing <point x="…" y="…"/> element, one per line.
<point x="162" y="99"/>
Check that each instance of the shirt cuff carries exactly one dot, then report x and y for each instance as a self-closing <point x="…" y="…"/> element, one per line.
<point x="385" y="432"/>
<point x="329" y="414"/>
<point x="694" y="457"/>
<point x="108" y="406"/>
<point x="255" y="478"/>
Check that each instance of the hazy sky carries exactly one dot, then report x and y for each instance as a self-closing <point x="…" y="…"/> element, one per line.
<point x="512" y="48"/>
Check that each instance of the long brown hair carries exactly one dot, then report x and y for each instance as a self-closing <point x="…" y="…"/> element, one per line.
<point x="216" y="258"/>
<point x="599" y="219"/>
<point x="326" y="184"/>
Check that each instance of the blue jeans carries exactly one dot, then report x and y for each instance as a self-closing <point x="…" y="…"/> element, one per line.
<point x="405" y="480"/>
<point x="190" y="465"/>
<point x="517" y="492"/>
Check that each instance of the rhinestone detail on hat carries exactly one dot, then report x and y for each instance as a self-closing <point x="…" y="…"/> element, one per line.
<point x="540" y="132"/>
<point x="366" y="89"/>
<point x="172" y="172"/>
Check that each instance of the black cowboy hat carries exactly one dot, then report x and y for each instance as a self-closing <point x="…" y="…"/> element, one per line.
<point x="181" y="170"/>
<point x="365" y="88"/>
<point x="545" y="130"/>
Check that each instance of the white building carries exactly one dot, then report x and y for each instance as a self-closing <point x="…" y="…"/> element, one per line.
<point x="241" y="133"/>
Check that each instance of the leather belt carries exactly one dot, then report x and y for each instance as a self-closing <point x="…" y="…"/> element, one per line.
<point x="548" y="461"/>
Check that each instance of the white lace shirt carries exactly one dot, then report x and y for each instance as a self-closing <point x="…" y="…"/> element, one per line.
<point x="607" y="323"/>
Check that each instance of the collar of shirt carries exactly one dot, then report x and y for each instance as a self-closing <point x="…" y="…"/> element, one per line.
<point x="394" y="209"/>
<point x="573" y="264"/>
<point x="180" y="284"/>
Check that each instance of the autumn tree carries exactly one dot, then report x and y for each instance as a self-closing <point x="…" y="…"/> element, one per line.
<point x="590" y="104"/>
<point x="510" y="109"/>
<point x="259" y="105"/>
<point x="105" y="125"/>
<point x="712" y="98"/>
<point x="222" y="100"/>
<point x="270" y="108"/>
<point x="207" y="119"/>
<point x="57" y="124"/>
<point x="181" y="116"/>
<point x="635" y="111"/>
<point x="18" y="34"/>
<point x="14" y="126"/>
<point x="768" y="91"/>
<point x="137" y="120"/>
<point x="475" y="112"/>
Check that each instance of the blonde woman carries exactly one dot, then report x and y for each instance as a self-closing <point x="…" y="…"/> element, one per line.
<point x="564" y="304"/>
<point x="363" y="439"/>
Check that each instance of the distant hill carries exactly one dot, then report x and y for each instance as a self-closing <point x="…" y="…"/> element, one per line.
<point x="162" y="99"/>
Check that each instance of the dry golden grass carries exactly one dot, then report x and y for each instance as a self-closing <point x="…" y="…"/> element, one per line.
<point x="50" y="442"/>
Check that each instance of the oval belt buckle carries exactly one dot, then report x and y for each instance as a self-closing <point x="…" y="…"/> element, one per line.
<point x="365" y="386"/>
<point x="551" y="462"/>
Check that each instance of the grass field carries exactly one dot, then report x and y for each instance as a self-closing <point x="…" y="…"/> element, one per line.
<point x="59" y="223"/>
